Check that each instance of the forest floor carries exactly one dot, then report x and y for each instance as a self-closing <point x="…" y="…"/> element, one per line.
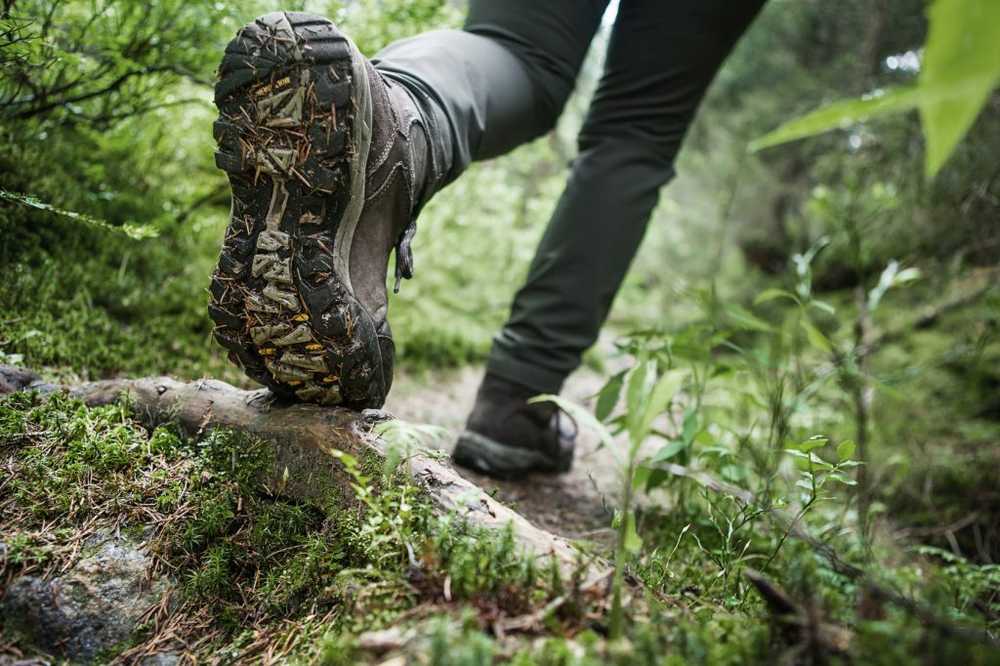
<point x="97" y="502"/>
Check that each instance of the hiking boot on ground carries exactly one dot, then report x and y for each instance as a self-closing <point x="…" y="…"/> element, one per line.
<point x="328" y="165"/>
<point x="506" y="437"/>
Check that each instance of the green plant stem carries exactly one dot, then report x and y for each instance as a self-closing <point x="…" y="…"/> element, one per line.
<point x="618" y="581"/>
<point x="861" y="396"/>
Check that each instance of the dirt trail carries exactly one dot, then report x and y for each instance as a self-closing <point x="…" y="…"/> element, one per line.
<point x="575" y="505"/>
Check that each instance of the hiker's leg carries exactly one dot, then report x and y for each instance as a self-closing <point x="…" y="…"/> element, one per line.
<point x="499" y="82"/>
<point x="661" y="59"/>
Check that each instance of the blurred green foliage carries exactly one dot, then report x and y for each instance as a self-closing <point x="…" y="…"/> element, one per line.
<point x="959" y="70"/>
<point x="756" y="271"/>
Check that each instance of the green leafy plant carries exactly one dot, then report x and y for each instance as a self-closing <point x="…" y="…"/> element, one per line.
<point x="959" y="69"/>
<point x="648" y="393"/>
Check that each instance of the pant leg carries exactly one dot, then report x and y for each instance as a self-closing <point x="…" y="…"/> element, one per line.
<point x="661" y="59"/>
<point x="500" y="82"/>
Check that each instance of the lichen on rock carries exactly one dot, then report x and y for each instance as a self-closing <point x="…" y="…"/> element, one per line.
<point x="91" y="609"/>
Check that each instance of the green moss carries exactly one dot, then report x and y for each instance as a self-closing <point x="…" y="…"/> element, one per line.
<point x="257" y="562"/>
<point x="461" y="645"/>
<point x="245" y="556"/>
<point x="26" y="551"/>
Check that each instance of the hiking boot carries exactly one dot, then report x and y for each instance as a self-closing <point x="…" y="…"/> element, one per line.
<point x="506" y="437"/>
<point x="328" y="163"/>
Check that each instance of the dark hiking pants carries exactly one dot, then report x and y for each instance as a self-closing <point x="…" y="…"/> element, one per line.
<point x="504" y="80"/>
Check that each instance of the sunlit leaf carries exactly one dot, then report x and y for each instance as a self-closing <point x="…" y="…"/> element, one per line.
<point x="962" y="51"/>
<point x="811" y="443"/>
<point x="773" y="294"/>
<point x="891" y="277"/>
<point x="823" y="306"/>
<point x="845" y="450"/>
<point x="961" y="66"/>
<point x="819" y="462"/>
<point x="840" y="115"/>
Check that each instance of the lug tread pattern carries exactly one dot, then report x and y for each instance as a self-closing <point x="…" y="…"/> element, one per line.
<point x="287" y="113"/>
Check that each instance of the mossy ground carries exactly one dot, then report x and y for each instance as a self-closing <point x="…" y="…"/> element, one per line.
<point x="244" y="563"/>
<point x="256" y="577"/>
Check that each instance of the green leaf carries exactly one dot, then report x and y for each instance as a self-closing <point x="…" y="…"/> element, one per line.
<point x="960" y="68"/>
<point x="812" y="443"/>
<point x="669" y="450"/>
<point x="839" y="115"/>
<point x="847" y="481"/>
<point x="690" y="428"/>
<point x="636" y="392"/>
<point x="608" y="396"/>
<point x="349" y="461"/>
<point x="962" y="55"/>
<point x="641" y="477"/>
<point x="823" y="306"/>
<point x="407" y="435"/>
<point x="819" y="462"/>
<point x="845" y="450"/>
<point x="773" y="294"/>
<point x="816" y="337"/>
<point x="663" y="392"/>
<point x="632" y="542"/>
<point x="733" y="473"/>
<point x="743" y="318"/>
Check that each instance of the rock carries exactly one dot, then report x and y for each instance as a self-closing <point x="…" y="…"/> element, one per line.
<point x="91" y="609"/>
<point x="17" y="379"/>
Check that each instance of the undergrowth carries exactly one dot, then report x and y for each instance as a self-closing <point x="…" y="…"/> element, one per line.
<point x="242" y="559"/>
<point x="251" y="570"/>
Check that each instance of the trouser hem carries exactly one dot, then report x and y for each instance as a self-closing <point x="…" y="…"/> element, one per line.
<point x="541" y="380"/>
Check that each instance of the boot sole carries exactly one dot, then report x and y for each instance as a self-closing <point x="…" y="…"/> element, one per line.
<point x="501" y="461"/>
<point x="294" y="129"/>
